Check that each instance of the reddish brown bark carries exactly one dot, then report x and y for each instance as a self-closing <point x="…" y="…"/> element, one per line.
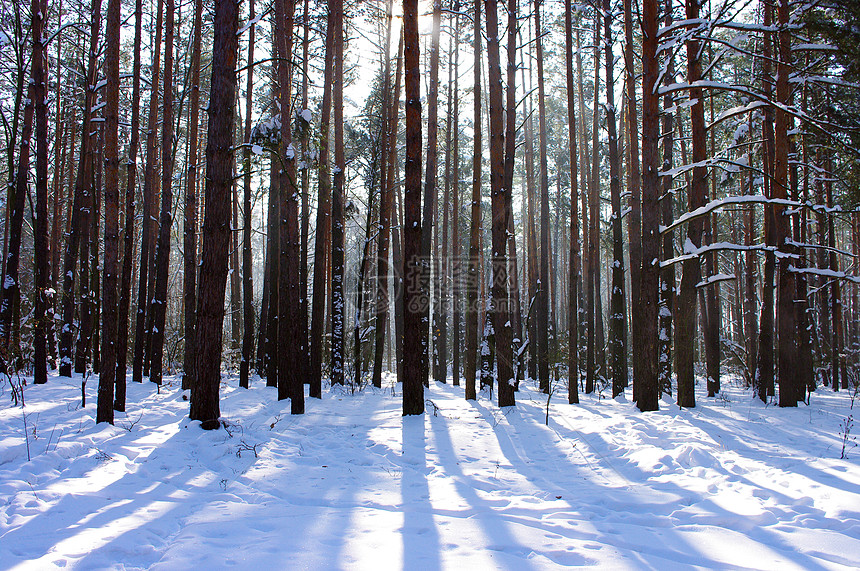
<point x="216" y="226"/>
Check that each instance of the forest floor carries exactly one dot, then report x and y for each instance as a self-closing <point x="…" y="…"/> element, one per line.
<point x="352" y="484"/>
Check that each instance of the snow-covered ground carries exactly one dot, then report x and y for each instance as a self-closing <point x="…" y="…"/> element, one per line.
<point x="354" y="485"/>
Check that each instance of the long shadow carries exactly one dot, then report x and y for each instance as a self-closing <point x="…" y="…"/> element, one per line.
<point x="718" y="516"/>
<point x="741" y="446"/>
<point x="177" y="493"/>
<point x="634" y="501"/>
<point x="486" y="512"/>
<point x="420" y="536"/>
<point x="79" y="514"/>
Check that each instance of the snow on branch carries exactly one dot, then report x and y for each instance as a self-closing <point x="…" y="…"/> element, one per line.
<point x="722" y="202"/>
<point x="691" y="252"/>
<point x="715" y="279"/>
<point x="825" y="273"/>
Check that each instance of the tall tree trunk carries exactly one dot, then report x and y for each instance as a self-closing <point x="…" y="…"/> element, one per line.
<point x="457" y="259"/>
<point x="216" y="226"/>
<point x="79" y="206"/>
<point x="189" y="236"/>
<point x="543" y="315"/>
<point x="413" y="382"/>
<point x="617" y="305"/>
<point x="593" y="365"/>
<point x="107" y="377"/>
<point x="634" y="177"/>
<point x="584" y="310"/>
<point x="390" y="115"/>
<point x="146" y="233"/>
<point x="162" y="251"/>
<point x="574" y="270"/>
<point x="531" y="231"/>
<point x="235" y="267"/>
<point x="805" y="373"/>
<point x="685" y="314"/>
<point x="337" y="202"/>
<point x="667" y="275"/>
<point x="323" y="219"/>
<point x="501" y="208"/>
<point x="290" y="382"/>
<point x="247" y="258"/>
<point x="128" y="232"/>
<point x="837" y="366"/>
<point x="508" y="184"/>
<point x="645" y="385"/>
<point x="92" y="330"/>
<point x="472" y="280"/>
<point x="11" y="287"/>
<point x="306" y="208"/>
<point x="786" y="314"/>
<point x="88" y="205"/>
<point x="41" y="272"/>
<point x="712" y="320"/>
<point x="444" y="306"/>
<point x="429" y="205"/>
<point x="273" y="263"/>
<point x="765" y="373"/>
<point x="750" y="291"/>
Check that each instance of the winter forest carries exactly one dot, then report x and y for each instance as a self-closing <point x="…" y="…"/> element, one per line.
<point x="446" y="284"/>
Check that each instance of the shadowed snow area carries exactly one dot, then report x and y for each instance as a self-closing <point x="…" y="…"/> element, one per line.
<point x="352" y="484"/>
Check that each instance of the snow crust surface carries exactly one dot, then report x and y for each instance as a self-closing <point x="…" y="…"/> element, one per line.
<point x="352" y="484"/>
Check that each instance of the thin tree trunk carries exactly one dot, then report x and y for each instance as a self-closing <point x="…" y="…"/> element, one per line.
<point x="750" y="292"/>
<point x="444" y="306"/>
<point x="85" y="287"/>
<point x="235" y="269"/>
<point x="391" y="115"/>
<point x="837" y="368"/>
<point x="585" y="307"/>
<point x="508" y="185"/>
<point x="574" y="270"/>
<point x="109" y="313"/>
<point x="457" y="268"/>
<point x="41" y="270"/>
<point x="543" y="314"/>
<point x="502" y="330"/>
<point x="413" y="382"/>
<point x="472" y="280"/>
<point x="594" y="363"/>
<point x="685" y="315"/>
<point x="80" y="205"/>
<point x="91" y="331"/>
<point x="162" y="251"/>
<point x="273" y="259"/>
<point x="306" y="209"/>
<point x="634" y="177"/>
<point x="140" y="331"/>
<point x="11" y="287"/>
<point x="531" y="231"/>
<point x="337" y="202"/>
<point x="668" y="282"/>
<point x="617" y="305"/>
<point x="765" y="372"/>
<point x="128" y="236"/>
<point x="323" y="220"/>
<point x="247" y="258"/>
<point x="429" y="205"/>
<point x="189" y="237"/>
<point x="645" y="385"/>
